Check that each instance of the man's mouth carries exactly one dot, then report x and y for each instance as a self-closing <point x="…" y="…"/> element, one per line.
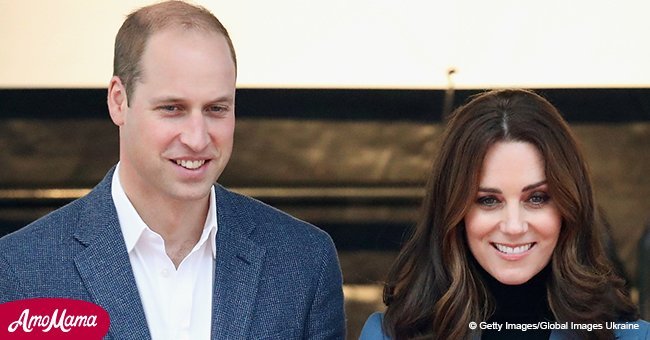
<point x="191" y="165"/>
<point x="510" y="250"/>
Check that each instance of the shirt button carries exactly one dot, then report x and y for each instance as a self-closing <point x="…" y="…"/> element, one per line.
<point x="164" y="273"/>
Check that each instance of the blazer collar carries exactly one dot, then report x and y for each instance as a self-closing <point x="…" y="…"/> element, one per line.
<point x="104" y="264"/>
<point x="106" y="272"/>
<point x="238" y="267"/>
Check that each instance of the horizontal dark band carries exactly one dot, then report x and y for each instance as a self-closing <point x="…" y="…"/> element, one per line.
<point x="578" y="105"/>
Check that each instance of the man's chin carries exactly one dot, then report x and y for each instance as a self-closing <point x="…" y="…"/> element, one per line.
<point x="192" y="193"/>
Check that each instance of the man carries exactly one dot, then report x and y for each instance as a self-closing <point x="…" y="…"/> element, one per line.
<point x="165" y="251"/>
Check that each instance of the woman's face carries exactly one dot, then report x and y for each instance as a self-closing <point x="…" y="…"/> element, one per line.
<point x="513" y="224"/>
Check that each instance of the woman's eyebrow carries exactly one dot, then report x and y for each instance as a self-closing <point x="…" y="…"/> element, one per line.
<point x="526" y="188"/>
<point x="489" y="190"/>
<point x="533" y="186"/>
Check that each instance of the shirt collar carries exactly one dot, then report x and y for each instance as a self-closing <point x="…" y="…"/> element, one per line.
<point x="211" y="223"/>
<point x="133" y="226"/>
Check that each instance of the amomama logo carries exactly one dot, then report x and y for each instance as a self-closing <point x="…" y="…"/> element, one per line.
<point x="52" y="318"/>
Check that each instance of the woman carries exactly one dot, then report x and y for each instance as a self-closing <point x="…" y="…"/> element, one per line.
<point x="508" y="235"/>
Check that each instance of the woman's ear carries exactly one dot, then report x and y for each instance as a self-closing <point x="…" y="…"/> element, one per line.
<point x="117" y="100"/>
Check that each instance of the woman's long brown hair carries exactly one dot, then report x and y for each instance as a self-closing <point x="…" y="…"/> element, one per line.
<point x="433" y="290"/>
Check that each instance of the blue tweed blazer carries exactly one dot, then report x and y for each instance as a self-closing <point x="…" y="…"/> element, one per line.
<point x="276" y="277"/>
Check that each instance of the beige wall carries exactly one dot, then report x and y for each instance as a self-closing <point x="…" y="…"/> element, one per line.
<point x="355" y="43"/>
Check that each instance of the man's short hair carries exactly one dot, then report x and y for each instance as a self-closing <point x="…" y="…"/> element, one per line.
<point x="138" y="27"/>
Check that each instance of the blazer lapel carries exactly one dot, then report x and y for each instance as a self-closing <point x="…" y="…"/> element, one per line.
<point x="104" y="265"/>
<point x="237" y="271"/>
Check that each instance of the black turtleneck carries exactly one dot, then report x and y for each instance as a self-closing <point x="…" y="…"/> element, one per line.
<point x="526" y="303"/>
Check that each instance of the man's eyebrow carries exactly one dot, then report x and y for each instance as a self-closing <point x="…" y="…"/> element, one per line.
<point x="174" y="99"/>
<point x="166" y="99"/>
<point x="223" y="99"/>
<point x="526" y="188"/>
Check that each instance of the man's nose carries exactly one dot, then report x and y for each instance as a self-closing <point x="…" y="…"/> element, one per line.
<point x="195" y="132"/>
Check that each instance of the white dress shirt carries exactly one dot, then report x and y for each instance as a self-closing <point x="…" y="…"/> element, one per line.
<point x="177" y="302"/>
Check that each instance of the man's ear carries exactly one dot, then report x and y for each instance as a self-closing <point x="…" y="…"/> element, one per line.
<point x="117" y="100"/>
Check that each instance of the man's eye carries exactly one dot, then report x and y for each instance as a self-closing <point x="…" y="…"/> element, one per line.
<point x="219" y="109"/>
<point x="170" y="108"/>
<point x="488" y="201"/>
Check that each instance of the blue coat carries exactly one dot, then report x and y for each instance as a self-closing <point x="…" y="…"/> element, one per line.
<point x="372" y="331"/>
<point x="276" y="277"/>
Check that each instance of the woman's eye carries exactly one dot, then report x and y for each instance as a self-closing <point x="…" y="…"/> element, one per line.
<point x="488" y="201"/>
<point x="538" y="199"/>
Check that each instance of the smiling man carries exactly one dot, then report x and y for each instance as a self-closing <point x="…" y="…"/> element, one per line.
<point x="161" y="247"/>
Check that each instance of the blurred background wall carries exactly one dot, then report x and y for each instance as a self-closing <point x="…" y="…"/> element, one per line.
<point x="339" y="107"/>
<point x="354" y="43"/>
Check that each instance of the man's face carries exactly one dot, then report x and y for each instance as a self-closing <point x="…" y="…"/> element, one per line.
<point x="176" y="135"/>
